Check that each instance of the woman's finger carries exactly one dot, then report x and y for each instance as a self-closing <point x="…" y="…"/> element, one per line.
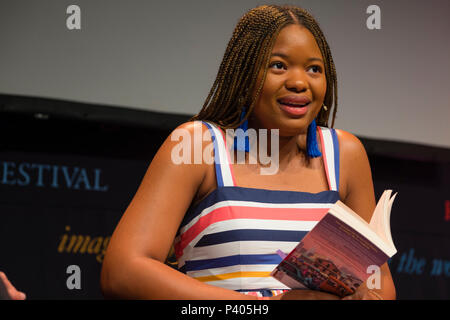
<point x="12" y="291"/>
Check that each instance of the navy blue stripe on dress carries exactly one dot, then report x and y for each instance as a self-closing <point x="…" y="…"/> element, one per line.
<point x="194" y="265"/>
<point x="250" y="235"/>
<point x="236" y="193"/>
<point x="336" y="156"/>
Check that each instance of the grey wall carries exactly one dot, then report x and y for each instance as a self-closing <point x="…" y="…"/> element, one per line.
<point x="164" y="55"/>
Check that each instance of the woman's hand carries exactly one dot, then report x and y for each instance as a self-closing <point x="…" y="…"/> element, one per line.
<point x="364" y="294"/>
<point x="13" y="293"/>
<point x="305" y="295"/>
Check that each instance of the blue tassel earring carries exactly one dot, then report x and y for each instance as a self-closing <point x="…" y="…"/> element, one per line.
<point x="311" y="141"/>
<point x="238" y="145"/>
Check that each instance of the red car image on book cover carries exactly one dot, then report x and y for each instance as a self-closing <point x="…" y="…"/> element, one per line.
<point x="341" y="251"/>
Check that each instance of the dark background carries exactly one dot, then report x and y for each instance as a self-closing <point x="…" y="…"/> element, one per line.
<point x="121" y="142"/>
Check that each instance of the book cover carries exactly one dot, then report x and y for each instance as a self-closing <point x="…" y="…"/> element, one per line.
<point x="332" y="257"/>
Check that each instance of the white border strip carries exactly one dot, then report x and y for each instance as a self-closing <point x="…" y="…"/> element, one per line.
<point x="329" y="151"/>
<point x="227" y="178"/>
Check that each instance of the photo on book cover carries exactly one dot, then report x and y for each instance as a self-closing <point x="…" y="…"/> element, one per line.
<point x="337" y="254"/>
<point x="305" y="266"/>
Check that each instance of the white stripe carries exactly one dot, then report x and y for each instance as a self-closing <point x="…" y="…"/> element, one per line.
<point x="264" y="282"/>
<point x="329" y="151"/>
<point x="241" y="248"/>
<point x="223" y="158"/>
<point x="249" y="283"/>
<point x="228" y="225"/>
<point x="231" y="269"/>
<point x="262" y="224"/>
<point x="226" y="203"/>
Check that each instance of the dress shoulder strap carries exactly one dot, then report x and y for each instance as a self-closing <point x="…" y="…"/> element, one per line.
<point x="330" y="153"/>
<point x="224" y="173"/>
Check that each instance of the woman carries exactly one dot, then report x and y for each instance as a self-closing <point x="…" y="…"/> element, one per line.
<point x="227" y="219"/>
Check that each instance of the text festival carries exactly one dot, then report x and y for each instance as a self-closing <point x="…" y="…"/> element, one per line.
<point x="54" y="176"/>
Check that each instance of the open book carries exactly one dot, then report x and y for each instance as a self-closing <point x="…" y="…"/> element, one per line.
<point x="341" y="251"/>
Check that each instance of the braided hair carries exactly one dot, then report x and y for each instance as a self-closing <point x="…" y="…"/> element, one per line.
<point x="247" y="52"/>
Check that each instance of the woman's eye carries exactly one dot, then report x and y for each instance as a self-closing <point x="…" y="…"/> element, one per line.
<point x="315" y="69"/>
<point x="277" y="65"/>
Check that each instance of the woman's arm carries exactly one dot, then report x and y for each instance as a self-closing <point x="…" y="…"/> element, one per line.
<point x="357" y="192"/>
<point x="133" y="267"/>
<point x="134" y="263"/>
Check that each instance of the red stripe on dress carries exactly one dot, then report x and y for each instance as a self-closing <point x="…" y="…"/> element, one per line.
<point x="239" y="212"/>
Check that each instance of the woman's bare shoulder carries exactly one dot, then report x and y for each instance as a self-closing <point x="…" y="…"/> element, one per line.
<point x="356" y="185"/>
<point x="197" y="131"/>
<point x="184" y="139"/>
<point x="195" y="138"/>
<point x="349" y="144"/>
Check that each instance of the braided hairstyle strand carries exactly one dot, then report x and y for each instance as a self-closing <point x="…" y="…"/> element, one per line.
<point x="247" y="52"/>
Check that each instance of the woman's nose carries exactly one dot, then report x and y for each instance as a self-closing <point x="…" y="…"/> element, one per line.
<point x="296" y="83"/>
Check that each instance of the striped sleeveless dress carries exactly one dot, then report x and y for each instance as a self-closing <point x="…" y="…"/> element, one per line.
<point x="230" y="239"/>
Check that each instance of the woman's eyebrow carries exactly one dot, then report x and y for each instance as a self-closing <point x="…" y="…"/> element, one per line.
<point x="279" y="54"/>
<point x="284" y="56"/>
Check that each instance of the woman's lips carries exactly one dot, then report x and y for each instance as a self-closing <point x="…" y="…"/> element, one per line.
<point x="293" y="110"/>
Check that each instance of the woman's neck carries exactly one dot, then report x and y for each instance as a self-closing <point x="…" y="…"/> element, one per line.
<point x="288" y="147"/>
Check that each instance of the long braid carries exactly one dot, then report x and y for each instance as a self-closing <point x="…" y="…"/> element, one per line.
<point x="247" y="52"/>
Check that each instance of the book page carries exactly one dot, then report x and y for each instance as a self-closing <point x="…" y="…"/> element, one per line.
<point x="380" y="221"/>
<point x="348" y="216"/>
